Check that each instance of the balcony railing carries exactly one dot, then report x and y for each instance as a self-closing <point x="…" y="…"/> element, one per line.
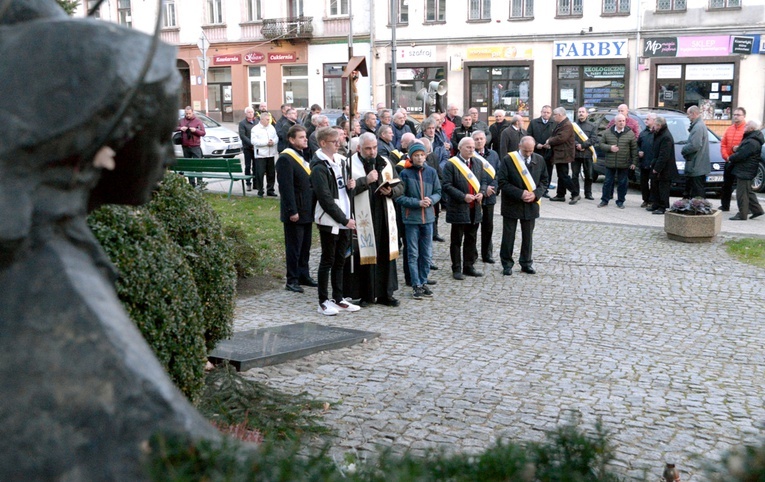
<point x="287" y="28"/>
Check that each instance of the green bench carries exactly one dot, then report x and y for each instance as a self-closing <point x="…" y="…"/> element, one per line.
<point x="213" y="168"/>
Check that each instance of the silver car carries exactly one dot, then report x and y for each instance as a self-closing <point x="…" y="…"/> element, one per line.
<point x="217" y="142"/>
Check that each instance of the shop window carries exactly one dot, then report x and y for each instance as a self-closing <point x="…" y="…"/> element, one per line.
<point x="333" y="86"/>
<point x="435" y="11"/>
<point x="257" y="77"/>
<point x="295" y="85"/>
<point x="295" y="8"/>
<point x="411" y="80"/>
<point x="479" y="10"/>
<point x="720" y="4"/>
<point x="616" y="7"/>
<point x="670" y="5"/>
<point x="214" y="12"/>
<point x="708" y="86"/>
<point x="500" y="87"/>
<point x="570" y="8"/>
<point x="254" y="11"/>
<point x="521" y="9"/>
<point x="168" y="14"/>
<point x="124" y="13"/>
<point x="403" y="12"/>
<point x="338" y="8"/>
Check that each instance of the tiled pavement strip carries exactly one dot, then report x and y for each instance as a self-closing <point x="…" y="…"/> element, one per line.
<point x="663" y="341"/>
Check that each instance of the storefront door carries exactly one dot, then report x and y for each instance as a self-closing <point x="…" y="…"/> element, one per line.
<point x="668" y="95"/>
<point x="479" y="98"/>
<point x="570" y="96"/>
<point x="220" y="101"/>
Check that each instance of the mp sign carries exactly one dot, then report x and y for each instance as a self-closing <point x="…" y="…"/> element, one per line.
<point x="590" y="49"/>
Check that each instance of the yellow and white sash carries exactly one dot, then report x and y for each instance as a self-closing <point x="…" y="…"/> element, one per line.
<point x="298" y="158"/>
<point x="387" y="175"/>
<point x="528" y="181"/>
<point x="486" y="165"/>
<point x="462" y="167"/>
<point x="362" y="209"/>
<point x="583" y="137"/>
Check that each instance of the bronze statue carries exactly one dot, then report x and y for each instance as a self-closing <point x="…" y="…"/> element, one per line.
<point x="82" y="391"/>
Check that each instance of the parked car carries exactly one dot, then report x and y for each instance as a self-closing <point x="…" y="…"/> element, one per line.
<point x="678" y="124"/>
<point x="218" y="140"/>
<point x="758" y="183"/>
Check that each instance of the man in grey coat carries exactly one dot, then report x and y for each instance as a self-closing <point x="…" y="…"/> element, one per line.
<point x="696" y="154"/>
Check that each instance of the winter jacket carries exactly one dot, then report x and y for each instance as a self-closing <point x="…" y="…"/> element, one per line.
<point x="295" y="193"/>
<point x="746" y="159"/>
<point x="496" y="134"/>
<point x="493" y="159"/>
<point x="645" y="144"/>
<point x="732" y="137"/>
<point x="663" y="155"/>
<point x="510" y="140"/>
<point x="419" y="183"/>
<point x="627" y="143"/>
<point x="696" y="150"/>
<point x="191" y="139"/>
<point x="245" y="132"/>
<point x="282" y="127"/>
<point x="260" y="137"/>
<point x="511" y="186"/>
<point x="631" y="123"/>
<point x="562" y="143"/>
<point x="455" y="188"/>
<point x="398" y="133"/>
<point x="480" y="125"/>
<point x="541" y="132"/>
<point x="326" y="191"/>
<point x="591" y="130"/>
<point x="460" y="133"/>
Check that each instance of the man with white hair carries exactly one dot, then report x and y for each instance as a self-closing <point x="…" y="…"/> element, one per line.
<point x="620" y="147"/>
<point x="561" y="142"/>
<point x="245" y="133"/>
<point x="400" y="128"/>
<point x="478" y="124"/>
<point x="319" y="120"/>
<point x="265" y="140"/>
<point x="496" y="129"/>
<point x="451" y="120"/>
<point x="631" y="123"/>
<point x="696" y="154"/>
<point x="487" y="206"/>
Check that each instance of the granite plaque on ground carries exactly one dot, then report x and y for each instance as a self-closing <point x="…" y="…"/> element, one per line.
<point x="271" y="346"/>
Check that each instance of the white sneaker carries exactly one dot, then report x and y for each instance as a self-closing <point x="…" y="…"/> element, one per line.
<point x="346" y="305"/>
<point x="328" y="308"/>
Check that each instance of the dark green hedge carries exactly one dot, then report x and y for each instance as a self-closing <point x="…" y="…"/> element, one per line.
<point x="191" y="222"/>
<point x="157" y="289"/>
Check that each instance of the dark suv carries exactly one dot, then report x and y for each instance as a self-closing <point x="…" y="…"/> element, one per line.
<point x="677" y="123"/>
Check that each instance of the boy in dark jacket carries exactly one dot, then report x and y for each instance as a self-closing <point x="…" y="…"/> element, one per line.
<point x="745" y="162"/>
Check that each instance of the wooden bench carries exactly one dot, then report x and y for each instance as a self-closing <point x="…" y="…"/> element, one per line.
<point x="213" y="168"/>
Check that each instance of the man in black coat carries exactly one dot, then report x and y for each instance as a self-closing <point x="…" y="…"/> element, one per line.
<point x="541" y="129"/>
<point x="283" y="126"/>
<point x="296" y="212"/>
<point x="663" y="167"/>
<point x="511" y="137"/>
<point x="496" y="129"/>
<point x="583" y="154"/>
<point x="645" y="154"/>
<point x="522" y="179"/>
<point x="245" y="132"/>
<point x="745" y="162"/>
<point x="465" y="186"/>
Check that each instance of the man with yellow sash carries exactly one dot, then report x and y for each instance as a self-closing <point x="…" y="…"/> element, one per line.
<point x="522" y="178"/>
<point x="586" y="140"/>
<point x="296" y="211"/>
<point x="464" y="186"/>
<point x="377" y="233"/>
<point x="490" y="161"/>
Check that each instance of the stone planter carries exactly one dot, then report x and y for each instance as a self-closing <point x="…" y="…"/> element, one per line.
<point x="692" y="229"/>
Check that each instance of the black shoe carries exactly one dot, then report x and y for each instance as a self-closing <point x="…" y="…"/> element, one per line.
<point x="644" y="205"/>
<point x="363" y="303"/>
<point x="388" y="301"/>
<point x="558" y="199"/>
<point x="260" y="194"/>
<point x="546" y="194"/>
<point x="724" y="209"/>
<point x="507" y="272"/>
<point x="308" y="281"/>
<point x="458" y="276"/>
<point x="249" y="187"/>
<point x="296" y="288"/>
<point x="272" y="194"/>
<point x="575" y="199"/>
<point x="737" y="217"/>
<point x="589" y="197"/>
<point x="408" y="283"/>
<point x="528" y="269"/>
<point x="431" y="282"/>
<point x="651" y="208"/>
<point x="489" y="260"/>
<point x="433" y="267"/>
<point x="438" y="238"/>
<point x="756" y="215"/>
<point x="472" y="272"/>
<point x="658" y="211"/>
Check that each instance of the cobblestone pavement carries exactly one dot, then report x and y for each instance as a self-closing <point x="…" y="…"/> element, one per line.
<point x="661" y="340"/>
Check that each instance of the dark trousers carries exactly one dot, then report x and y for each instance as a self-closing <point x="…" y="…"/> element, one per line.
<point x="564" y="181"/>
<point x="645" y="184"/>
<point x="487" y="230"/>
<point x="694" y="187"/>
<point x="264" y="166"/>
<point x="608" y="185"/>
<point x="437" y="210"/>
<point x="509" y="226"/>
<point x="194" y="152"/>
<point x="331" y="263"/>
<point x="297" y="250"/>
<point x="727" y="188"/>
<point x="550" y="168"/>
<point x="660" y="192"/>
<point x="249" y="159"/>
<point x="579" y="165"/>
<point x="464" y="238"/>
<point x="746" y="199"/>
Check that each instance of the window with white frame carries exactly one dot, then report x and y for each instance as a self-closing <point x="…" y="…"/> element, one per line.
<point x="338" y="8"/>
<point x="257" y="77"/>
<point x="295" y="85"/>
<point x="715" y="4"/>
<point x="214" y="12"/>
<point x="479" y="10"/>
<point x="124" y="13"/>
<point x="521" y="8"/>
<point x="435" y="10"/>
<point x="670" y="5"/>
<point x="616" y="7"/>
<point x="91" y="4"/>
<point x="254" y="12"/>
<point x="168" y="14"/>
<point x="403" y="11"/>
<point x="570" y="8"/>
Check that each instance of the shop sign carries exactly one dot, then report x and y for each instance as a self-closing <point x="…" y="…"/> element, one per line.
<point x="413" y="54"/>
<point x="498" y="53"/>
<point x="709" y="72"/>
<point x="279" y="57"/>
<point x="703" y="46"/>
<point x="660" y="47"/>
<point x="604" y="71"/>
<point x="227" y="59"/>
<point x="254" y="57"/>
<point x="669" y="72"/>
<point x="741" y="45"/>
<point x="590" y="49"/>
